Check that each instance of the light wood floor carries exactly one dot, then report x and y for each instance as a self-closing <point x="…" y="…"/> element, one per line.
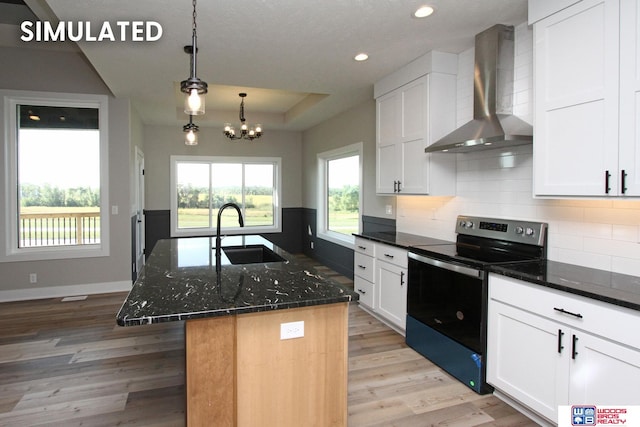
<point x="69" y="364"/>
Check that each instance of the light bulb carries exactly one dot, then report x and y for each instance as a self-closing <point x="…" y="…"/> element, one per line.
<point x="191" y="138"/>
<point x="194" y="104"/>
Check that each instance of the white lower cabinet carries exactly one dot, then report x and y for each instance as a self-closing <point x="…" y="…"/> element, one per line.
<point x="547" y="348"/>
<point x="380" y="278"/>
<point x="392" y="293"/>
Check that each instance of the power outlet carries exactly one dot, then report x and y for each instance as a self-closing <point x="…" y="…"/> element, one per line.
<point x="312" y="245"/>
<point x="33" y="278"/>
<point x="292" y="330"/>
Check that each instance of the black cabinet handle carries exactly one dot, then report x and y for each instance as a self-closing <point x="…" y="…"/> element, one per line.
<point x="395" y="186"/>
<point x="362" y="266"/>
<point x="573" y="347"/>
<point x="364" y="248"/>
<point x="402" y="278"/>
<point x="623" y="181"/>
<point x="399" y="186"/>
<point x="560" y="346"/>
<point x="361" y="291"/>
<point x="607" y="175"/>
<point x="388" y="256"/>
<point x="562" y="310"/>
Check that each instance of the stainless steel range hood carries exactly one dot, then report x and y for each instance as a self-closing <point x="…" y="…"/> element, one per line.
<point x="493" y="124"/>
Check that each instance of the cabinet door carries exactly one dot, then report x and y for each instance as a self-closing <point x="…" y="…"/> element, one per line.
<point x="525" y="358"/>
<point x="391" y="282"/>
<point x="576" y="92"/>
<point x="388" y="119"/>
<point x="603" y="372"/>
<point x="386" y="169"/>
<point x="413" y="113"/>
<point x="629" y="98"/>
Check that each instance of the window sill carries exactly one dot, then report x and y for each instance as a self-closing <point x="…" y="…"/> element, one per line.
<point x="337" y="238"/>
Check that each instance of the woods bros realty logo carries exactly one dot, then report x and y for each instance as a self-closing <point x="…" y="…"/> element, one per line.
<point x="86" y="31"/>
<point x="592" y="415"/>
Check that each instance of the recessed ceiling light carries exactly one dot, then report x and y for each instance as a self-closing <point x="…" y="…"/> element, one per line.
<point x="361" y="57"/>
<point x="423" y="12"/>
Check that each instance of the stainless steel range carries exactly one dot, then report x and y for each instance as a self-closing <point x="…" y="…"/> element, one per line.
<point x="448" y="286"/>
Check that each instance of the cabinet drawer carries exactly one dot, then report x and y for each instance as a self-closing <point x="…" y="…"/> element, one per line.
<point x="363" y="266"/>
<point x="365" y="246"/>
<point x="596" y="317"/>
<point x="392" y="254"/>
<point x="365" y="289"/>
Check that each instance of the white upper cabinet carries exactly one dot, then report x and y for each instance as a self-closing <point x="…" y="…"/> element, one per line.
<point x="414" y="108"/>
<point x="586" y="97"/>
<point x="629" y="163"/>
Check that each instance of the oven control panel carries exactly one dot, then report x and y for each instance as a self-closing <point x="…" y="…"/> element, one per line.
<point x="503" y="229"/>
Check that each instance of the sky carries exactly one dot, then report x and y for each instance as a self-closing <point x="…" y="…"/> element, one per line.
<point x="59" y="157"/>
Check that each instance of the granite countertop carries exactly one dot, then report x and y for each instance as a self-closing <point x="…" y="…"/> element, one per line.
<point x="402" y="240"/>
<point x="180" y="281"/>
<point x="615" y="288"/>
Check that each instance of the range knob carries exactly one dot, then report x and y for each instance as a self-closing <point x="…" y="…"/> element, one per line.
<point x="468" y="224"/>
<point x="519" y="230"/>
<point x="529" y="231"/>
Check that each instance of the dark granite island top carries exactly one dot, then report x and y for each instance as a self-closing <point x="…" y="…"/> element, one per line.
<point x="180" y="282"/>
<point x="255" y="333"/>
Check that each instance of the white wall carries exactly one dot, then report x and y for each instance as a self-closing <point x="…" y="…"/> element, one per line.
<point x="161" y="142"/>
<point x="60" y="71"/>
<point x="355" y="125"/>
<point x="603" y="234"/>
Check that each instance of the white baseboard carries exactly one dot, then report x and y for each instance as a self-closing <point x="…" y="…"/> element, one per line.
<point x="63" y="291"/>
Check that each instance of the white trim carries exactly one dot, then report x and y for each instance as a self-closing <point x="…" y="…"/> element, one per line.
<point x="64" y="291"/>
<point x="186" y="232"/>
<point x="11" y="252"/>
<point x="322" y="231"/>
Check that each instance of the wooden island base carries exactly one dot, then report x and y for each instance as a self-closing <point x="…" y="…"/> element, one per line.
<point x="240" y="373"/>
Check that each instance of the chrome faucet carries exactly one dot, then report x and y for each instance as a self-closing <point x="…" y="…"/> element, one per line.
<point x="218" y="238"/>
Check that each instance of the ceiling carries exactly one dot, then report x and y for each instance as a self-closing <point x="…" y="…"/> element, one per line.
<point x="294" y="58"/>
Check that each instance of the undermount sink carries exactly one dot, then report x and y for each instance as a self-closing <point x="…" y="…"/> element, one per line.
<point x="251" y="254"/>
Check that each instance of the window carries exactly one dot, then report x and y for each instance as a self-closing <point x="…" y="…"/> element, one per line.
<point x="201" y="185"/>
<point x="56" y="161"/>
<point x="340" y="178"/>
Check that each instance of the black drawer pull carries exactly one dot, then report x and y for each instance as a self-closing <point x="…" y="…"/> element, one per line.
<point x="362" y="266"/>
<point x="607" y="188"/>
<point x="361" y="291"/>
<point x="560" y="346"/>
<point x="623" y="179"/>
<point x="388" y="256"/>
<point x="573" y="347"/>
<point x="402" y="278"/>
<point x="364" y="248"/>
<point x="562" y="310"/>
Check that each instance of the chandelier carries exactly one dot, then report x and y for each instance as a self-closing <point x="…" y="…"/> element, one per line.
<point x="245" y="131"/>
<point x="190" y="132"/>
<point x="193" y="87"/>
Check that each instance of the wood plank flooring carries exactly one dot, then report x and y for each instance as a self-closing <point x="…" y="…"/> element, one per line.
<point x="69" y="364"/>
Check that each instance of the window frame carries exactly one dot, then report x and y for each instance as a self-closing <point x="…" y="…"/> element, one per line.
<point x="322" y="229"/>
<point x="11" y="100"/>
<point x="188" y="232"/>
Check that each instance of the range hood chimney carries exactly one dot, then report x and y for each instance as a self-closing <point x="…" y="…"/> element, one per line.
<point x="493" y="124"/>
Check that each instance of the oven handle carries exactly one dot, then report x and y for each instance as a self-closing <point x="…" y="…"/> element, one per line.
<point x="467" y="271"/>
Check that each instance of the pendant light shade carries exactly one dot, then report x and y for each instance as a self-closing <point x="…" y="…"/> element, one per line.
<point x="193" y="87"/>
<point x="190" y="133"/>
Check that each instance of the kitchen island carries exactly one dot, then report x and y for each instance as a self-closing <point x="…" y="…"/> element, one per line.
<point x="239" y="310"/>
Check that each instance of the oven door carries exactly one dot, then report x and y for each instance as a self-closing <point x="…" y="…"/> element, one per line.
<point x="446" y="317"/>
<point x="448" y="298"/>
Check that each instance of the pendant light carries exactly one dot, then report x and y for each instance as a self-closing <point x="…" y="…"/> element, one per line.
<point x="193" y="87"/>
<point x="246" y="132"/>
<point x="190" y="132"/>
